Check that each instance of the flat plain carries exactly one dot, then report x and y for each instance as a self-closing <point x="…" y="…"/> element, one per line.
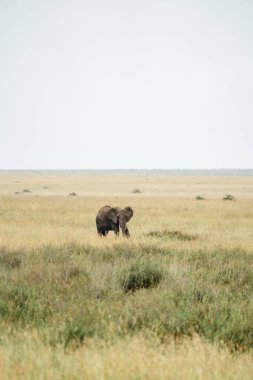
<point x="173" y="301"/>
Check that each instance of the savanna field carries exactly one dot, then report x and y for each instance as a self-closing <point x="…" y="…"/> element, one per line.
<point x="174" y="301"/>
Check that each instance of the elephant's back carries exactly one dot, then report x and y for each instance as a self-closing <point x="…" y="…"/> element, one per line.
<point x="104" y="209"/>
<point x="102" y="212"/>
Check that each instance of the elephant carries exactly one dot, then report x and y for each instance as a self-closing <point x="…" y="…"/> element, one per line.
<point x="112" y="219"/>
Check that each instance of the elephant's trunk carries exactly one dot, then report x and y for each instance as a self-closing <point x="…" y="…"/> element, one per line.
<point x="122" y="224"/>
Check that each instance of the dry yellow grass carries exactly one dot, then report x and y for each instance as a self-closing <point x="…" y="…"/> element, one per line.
<point x="133" y="358"/>
<point x="29" y="221"/>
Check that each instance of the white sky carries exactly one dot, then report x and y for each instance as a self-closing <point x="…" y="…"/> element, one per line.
<point x="126" y="84"/>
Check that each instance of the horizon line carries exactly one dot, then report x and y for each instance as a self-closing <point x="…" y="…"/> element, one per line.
<point x="126" y="169"/>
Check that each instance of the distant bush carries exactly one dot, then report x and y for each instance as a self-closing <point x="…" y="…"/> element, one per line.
<point x="200" y="198"/>
<point x="174" y="235"/>
<point x="26" y="191"/>
<point x="228" y="197"/>
<point x="72" y="194"/>
<point x="136" y="191"/>
<point x="141" y="276"/>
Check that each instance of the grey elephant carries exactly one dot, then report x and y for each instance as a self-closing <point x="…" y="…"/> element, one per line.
<point x="112" y="219"/>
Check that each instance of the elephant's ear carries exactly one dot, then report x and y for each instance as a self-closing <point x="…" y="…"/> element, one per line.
<point x="129" y="213"/>
<point x="113" y="214"/>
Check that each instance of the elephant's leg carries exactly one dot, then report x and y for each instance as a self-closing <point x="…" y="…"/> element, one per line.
<point x="116" y="230"/>
<point x="102" y="233"/>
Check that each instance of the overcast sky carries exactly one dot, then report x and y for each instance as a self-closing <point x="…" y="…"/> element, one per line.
<point x="126" y="84"/>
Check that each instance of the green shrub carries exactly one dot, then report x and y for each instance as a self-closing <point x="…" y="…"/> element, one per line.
<point x="141" y="276"/>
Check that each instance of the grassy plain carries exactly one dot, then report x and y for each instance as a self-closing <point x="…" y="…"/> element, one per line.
<point x="160" y="305"/>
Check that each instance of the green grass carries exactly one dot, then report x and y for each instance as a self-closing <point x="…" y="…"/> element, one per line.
<point x="72" y="292"/>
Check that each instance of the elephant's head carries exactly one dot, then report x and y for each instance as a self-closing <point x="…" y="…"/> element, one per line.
<point x="126" y="212"/>
<point x="121" y="216"/>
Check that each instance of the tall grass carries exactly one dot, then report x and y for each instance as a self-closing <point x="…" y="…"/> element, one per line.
<point x="129" y="359"/>
<point x="89" y="292"/>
